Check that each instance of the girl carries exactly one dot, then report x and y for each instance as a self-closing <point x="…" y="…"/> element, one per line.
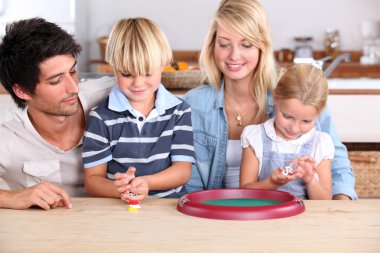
<point x="290" y="138"/>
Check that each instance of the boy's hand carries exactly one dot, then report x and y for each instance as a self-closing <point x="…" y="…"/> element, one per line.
<point x="139" y="189"/>
<point x="123" y="180"/>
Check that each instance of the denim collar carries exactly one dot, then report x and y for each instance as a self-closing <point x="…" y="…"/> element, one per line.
<point x="118" y="102"/>
<point x="219" y="102"/>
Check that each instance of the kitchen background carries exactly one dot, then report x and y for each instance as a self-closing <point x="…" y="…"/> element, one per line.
<point x="354" y="87"/>
<point x="186" y="22"/>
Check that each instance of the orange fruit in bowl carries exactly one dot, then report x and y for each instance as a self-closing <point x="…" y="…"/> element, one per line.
<point x="169" y="69"/>
<point x="182" y="65"/>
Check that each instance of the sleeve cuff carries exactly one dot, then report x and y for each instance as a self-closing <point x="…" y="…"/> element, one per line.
<point x="346" y="190"/>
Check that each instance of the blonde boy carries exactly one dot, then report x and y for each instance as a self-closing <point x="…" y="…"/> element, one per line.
<point x="139" y="141"/>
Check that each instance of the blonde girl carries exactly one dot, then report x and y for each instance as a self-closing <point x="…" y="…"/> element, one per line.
<point x="290" y="139"/>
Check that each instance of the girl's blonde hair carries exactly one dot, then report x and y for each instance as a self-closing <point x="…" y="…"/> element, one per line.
<point x="137" y="46"/>
<point x="245" y="18"/>
<point x="306" y="83"/>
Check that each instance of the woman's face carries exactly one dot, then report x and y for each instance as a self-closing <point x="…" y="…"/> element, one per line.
<point x="235" y="57"/>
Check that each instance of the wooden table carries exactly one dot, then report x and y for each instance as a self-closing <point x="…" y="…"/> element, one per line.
<point x="105" y="225"/>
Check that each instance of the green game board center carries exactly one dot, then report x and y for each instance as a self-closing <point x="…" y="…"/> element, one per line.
<point x="241" y="202"/>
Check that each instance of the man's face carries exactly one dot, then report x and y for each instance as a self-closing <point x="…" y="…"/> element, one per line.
<point x="57" y="91"/>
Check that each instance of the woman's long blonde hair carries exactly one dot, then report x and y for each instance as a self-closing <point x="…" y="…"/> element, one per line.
<point x="305" y="83"/>
<point x="138" y="46"/>
<point x="245" y="18"/>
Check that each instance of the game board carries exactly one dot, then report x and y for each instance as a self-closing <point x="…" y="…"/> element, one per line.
<point x="240" y="204"/>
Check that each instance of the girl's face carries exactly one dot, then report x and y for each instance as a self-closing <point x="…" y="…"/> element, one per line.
<point x="140" y="90"/>
<point x="235" y="57"/>
<point x="293" y="118"/>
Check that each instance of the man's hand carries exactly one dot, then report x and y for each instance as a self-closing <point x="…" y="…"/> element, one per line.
<point x="45" y="195"/>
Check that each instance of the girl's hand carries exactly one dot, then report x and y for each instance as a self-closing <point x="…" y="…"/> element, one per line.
<point x="123" y="180"/>
<point x="139" y="189"/>
<point x="307" y="165"/>
<point x="278" y="178"/>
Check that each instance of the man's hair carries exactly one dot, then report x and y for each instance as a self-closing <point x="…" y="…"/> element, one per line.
<point x="26" y="44"/>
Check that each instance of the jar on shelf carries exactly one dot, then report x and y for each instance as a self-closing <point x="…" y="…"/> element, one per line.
<point x="332" y="42"/>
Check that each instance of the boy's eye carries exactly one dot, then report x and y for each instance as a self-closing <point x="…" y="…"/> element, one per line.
<point x="126" y="74"/>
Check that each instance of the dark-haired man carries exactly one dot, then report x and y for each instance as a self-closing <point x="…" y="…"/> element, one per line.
<point x="40" y="157"/>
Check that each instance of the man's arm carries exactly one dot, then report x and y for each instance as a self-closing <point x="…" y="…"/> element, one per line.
<point x="44" y="195"/>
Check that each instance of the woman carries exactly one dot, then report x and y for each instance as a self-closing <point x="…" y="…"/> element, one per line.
<point x="237" y="60"/>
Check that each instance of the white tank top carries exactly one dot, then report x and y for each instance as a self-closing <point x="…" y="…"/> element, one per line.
<point x="231" y="177"/>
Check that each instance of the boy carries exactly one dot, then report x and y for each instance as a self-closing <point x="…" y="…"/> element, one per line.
<point x="140" y="127"/>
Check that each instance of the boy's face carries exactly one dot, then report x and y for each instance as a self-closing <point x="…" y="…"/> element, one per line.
<point x="57" y="91"/>
<point x="140" y="90"/>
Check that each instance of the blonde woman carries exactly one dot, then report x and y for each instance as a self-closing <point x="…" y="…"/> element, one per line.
<point x="286" y="152"/>
<point x="237" y="60"/>
<point x="138" y="141"/>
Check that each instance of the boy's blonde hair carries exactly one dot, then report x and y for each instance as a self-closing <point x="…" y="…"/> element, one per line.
<point x="137" y="46"/>
<point x="304" y="82"/>
<point x="248" y="19"/>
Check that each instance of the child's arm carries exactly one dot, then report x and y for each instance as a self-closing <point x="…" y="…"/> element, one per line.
<point x="97" y="184"/>
<point x="249" y="173"/>
<point x="249" y="169"/>
<point x="317" y="187"/>
<point x="176" y="175"/>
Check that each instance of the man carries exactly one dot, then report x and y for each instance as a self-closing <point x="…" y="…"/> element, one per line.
<point x="40" y="159"/>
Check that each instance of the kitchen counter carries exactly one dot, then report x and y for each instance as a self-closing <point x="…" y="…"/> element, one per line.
<point x="105" y="225"/>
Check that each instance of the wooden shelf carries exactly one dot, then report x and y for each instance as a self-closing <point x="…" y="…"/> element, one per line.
<point x="351" y="69"/>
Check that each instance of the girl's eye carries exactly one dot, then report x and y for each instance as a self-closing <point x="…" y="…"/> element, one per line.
<point x="247" y="45"/>
<point x="307" y="121"/>
<point x="73" y="72"/>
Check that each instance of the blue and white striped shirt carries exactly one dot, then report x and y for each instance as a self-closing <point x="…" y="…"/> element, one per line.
<point x="120" y="136"/>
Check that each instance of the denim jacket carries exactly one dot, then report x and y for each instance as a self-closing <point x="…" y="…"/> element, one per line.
<point x="211" y="135"/>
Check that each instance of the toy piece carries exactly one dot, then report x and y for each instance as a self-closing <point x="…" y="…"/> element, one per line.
<point x="287" y="170"/>
<point x="131" y="209"/>
<point x="134" y="205"/>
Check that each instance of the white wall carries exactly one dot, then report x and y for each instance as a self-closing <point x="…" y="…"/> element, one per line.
<point x="186" y="22"/>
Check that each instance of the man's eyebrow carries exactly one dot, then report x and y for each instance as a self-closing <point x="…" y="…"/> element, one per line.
<point x="55" y="75"/>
